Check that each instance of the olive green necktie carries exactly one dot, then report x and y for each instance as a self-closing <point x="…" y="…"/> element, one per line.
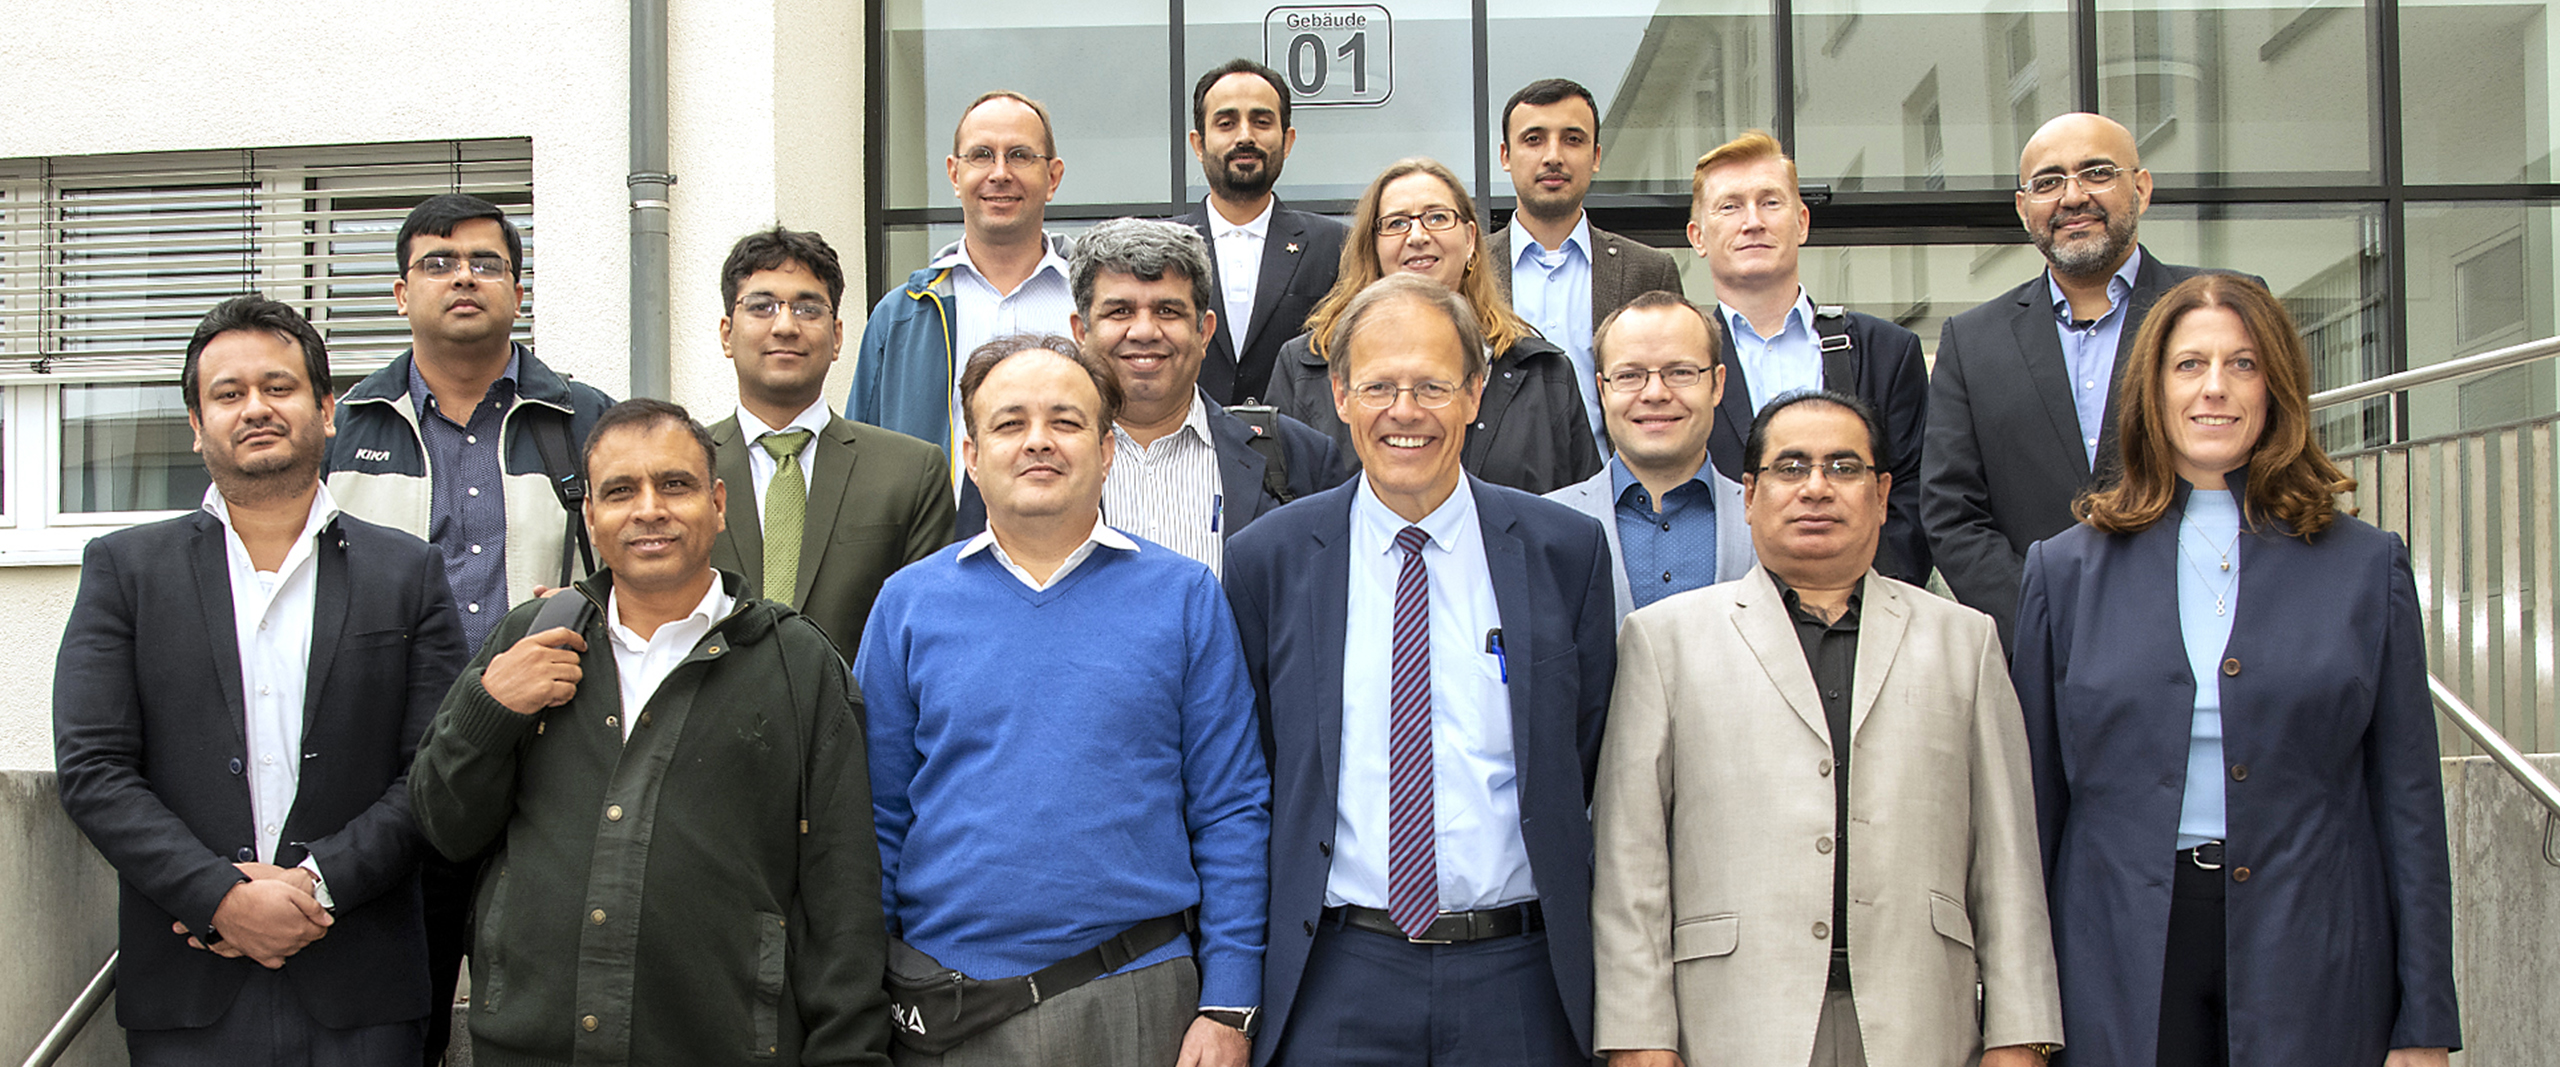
<point x="786" y="506"/>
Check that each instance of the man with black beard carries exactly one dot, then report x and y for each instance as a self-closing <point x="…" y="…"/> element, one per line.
<point x="2022" y="403"/>
<point x="1272" y="263"/>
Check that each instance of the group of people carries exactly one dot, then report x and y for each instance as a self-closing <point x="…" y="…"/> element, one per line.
<point x="1247" y="639"/>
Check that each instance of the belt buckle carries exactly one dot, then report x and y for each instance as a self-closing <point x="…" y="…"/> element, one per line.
<point x="1435" y="921"/>
<point x="2196" y="856"/>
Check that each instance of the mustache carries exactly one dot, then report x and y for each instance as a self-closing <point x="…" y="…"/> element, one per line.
<point x="2061" y="219"/>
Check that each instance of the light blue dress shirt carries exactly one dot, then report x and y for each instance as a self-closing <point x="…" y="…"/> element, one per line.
<point x="2089" y="352"/>
<point x="2211" y="527"/>
<point x="1778" y="365"/>
<point x="1552" y="290"/>
<point x="1666" y="552"/>
<point x="1483" y="861"/>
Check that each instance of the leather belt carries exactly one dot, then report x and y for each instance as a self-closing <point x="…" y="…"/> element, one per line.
<point x="2206" y="857"/>
<point x="1450" y="927"/>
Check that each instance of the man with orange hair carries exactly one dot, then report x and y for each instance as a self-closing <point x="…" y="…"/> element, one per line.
<point x="1747" y="220"/>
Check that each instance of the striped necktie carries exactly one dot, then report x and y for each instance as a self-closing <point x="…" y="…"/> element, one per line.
<point x="786" y="508"/>
<point x="1413" y="870"/>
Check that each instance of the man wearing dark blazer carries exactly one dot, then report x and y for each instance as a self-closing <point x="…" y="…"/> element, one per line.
<point x="1747" y="220"/>
<point x="855" y="502"/>
<point x="1431" y="658"/>
<point x="1272" y="264"/>
<point x="1561" y="273"/>
<point x="237" y="698"/>
<point x="2022" y="405"/>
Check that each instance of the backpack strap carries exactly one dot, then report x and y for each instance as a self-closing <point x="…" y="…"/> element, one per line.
<point x="550" y="430"/>
<point x="1264" y="421"/>
<point x="1839" y="351"/>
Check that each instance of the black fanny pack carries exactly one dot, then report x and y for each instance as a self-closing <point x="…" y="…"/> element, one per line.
<point x="937" y="1008"/>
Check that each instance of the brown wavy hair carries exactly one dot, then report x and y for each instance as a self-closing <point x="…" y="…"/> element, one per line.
<point x="2289" y="478"/>
<point x="1501" y="327"/>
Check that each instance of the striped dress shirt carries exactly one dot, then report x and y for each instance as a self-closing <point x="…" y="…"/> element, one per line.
<point x="1168" y="492"/>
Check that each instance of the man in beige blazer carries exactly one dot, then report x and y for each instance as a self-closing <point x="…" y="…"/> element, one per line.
<point x="1817" y="899"/>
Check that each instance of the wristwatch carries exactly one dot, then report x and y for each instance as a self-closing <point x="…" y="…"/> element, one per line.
<point x="1246" y="1021"/>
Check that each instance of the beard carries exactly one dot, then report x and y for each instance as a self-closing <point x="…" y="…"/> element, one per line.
<point x="2085" y="256"/>
<point x="1237" y="184"/>
<point x="269" y="477"/>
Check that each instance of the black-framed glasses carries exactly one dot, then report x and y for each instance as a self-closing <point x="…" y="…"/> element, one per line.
<point x="1015" y="158"/>
<point x="766" y="307"/>
<point x="1436" y="220"/>
<point x="484" y="265"/>
<point x="1633" y="379"/>
<point x="1432" y="394"/>
<point x="1795" y="471"/>
<point x="2094" y="178"/>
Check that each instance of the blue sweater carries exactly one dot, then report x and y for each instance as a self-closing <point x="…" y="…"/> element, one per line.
<point x="1050" y="768"/>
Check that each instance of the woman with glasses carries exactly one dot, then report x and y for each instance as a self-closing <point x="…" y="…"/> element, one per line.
<point x="1530" y="432"/>
<point x="2235" y="758"/>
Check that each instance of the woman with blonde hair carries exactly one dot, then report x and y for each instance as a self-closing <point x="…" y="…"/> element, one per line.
<point x="2224" y="682"/>
<point x="1530" y="431"/>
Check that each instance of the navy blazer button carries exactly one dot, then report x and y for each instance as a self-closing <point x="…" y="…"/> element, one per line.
<point x="1325" y="847"/>
<point x="2231" y="667"/>
<point x="2239" y="772"/>
<point x="1311" y="927"/>
<point x="246" y="855"/>
<point x="235" y="764"/>
<point x="2240" y="874"/>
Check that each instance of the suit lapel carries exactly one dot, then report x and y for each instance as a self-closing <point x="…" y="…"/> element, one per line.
<point x="1762" y="619"/>
<point x="2041" y="350"/>
<point x="328" y="618"/>
<point x="1883" y="619"/>
<point x="838" y="458"/>
<point x="1608" y="276"/>
<point x="1240" y="468"/>
<point x="1498" y="259"/>
<point x="746" y="531"/>
<point x="1733" y="413"/>
<point x="1283" y="248"/>
<point x="2149" y="281"/>
<point x="1507" y="561"/>
<point x="1219" y="370"/>
<point x="221" y="633"/>
<point x="1329" y="608"/>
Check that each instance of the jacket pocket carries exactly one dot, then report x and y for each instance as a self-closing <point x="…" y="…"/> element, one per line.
<point x="1950" y="919"/>
<point x="489" y="950"/>
<point x="770" y="952"/>
<point x="1715" y="935"/>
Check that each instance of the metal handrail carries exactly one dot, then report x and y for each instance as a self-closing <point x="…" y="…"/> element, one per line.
<point x="2483" y="363"/>
<point x="76" y="1018"/>
<point x="2536" y="784"/>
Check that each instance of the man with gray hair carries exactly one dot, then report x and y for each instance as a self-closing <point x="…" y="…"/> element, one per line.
<point x="1186" y="473"/>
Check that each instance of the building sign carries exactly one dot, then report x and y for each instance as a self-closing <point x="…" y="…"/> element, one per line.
<point x="1334" y="56"/>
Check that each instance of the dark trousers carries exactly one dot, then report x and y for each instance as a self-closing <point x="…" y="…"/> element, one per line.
<point x="2194" y="1019"/>
<point x="448" y="888"/>
<point x="267" y="1027"/>
<point x="1372" y="999"/>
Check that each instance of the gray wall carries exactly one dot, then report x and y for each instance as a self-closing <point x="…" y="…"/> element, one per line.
<point x="58" y="904"/>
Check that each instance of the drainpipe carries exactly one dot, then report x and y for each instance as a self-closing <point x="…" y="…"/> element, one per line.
<point x="649" y="182"/>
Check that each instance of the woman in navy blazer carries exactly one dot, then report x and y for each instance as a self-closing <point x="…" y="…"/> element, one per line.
<point x="2286" y="901"/>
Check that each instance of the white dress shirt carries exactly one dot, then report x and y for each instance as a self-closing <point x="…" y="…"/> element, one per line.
<point x="1239" y="249"/>
<point x="1169" y="492"/>
<point x="761" y="464"/>
<point x="1483" y="861"/>
<point x="1102" y="536"/>
<point x="980" y="313"/>
<point x="272" y="619"/>
<point x="1782" y="364"/>
<point x="642" y="664"/>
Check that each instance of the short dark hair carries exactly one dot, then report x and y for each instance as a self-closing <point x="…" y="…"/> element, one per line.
<point x="439" y="214"/>
<point x="1647" y="301"/>
<point x="641" y="413"/>
<point x="1757" y="441"/>
<point x="775" y="249"/>
<point x="1200" y="90"/>
<point x="256" y="313"/>
<point x="1543" y="92"/>
<point x="1146" y="249"/>
<point x="1106" y="381"/>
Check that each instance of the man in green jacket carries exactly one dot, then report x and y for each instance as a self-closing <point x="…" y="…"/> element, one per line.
<point x="675" y="798"/>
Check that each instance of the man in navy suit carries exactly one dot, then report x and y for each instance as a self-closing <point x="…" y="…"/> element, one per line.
<point x="1273" y="264"/>
<point x="237" y="698"/>
<point x="1431" y="658"/>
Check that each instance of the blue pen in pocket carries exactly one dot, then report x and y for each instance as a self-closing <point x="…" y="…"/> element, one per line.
<point x="1217" y="509"/>
<point x="1493" y="645"/>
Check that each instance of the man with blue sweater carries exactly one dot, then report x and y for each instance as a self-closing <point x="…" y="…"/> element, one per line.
<point x="1064" y="768"/>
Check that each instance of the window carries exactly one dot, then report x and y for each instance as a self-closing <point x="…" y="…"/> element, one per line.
<point x="107" y="263"/>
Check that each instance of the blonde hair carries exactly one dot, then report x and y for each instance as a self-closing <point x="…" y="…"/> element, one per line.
<point x="1752" y="147"/>
<point x="1494" y="317"/>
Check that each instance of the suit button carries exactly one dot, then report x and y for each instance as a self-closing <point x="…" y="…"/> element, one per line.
<point x="1325" y="847"/>
<point x="1822" y="931"/>
<point x="2239" y="772"/>
<point x="2240" y="874"/>
<point x="1311" y="927"/>
<point x="1823" y="768"/>
<point x="613" y="813"/>
<point x="1822" y="844"/>
<point x="589" y="1023"/>
<point x="596" y="916"/>
<point x="2231" y="668"/>
<point x="235" y="764"/>
<point x="246" y="855"/>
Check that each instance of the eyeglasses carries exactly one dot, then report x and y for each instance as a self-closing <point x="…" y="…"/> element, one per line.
<point x="1383" y="394"/>
<point x="765" y="307"/>
<point x="1016" y="158"/>
<point x="1795" y="471"/>
<point x="1633" y="379"/>
<point x="443" y="265"/>
<point x="2095" y="178"/>
<point x="1435" y="220"/>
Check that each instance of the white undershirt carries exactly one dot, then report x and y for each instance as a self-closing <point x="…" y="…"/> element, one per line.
<point x="643" y="663"/>
<point x="272" y="619"/>
<point x="1239" y="249"/>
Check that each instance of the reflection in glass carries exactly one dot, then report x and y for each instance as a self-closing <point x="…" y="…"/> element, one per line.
<point x="2324" y="262"/>
<point x="2476" y="101"/>
<point x="126" y="447"/>
<point x="1673" y="79"/>
<point x="2480" y="278"/>
<point x="2248" y="92"/>
<point x="1918" y="94"/>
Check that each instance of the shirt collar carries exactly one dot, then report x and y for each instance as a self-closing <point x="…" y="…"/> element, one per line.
<point x="715" y="606"/>
<point x="2119" y="287"/>
<point x="812" y="418"/>
<point x="1443" y="525"/>
<point x="1257" y="228"/>
<point x="1196" y="421"/>
<point x="1578" y="240"/>
<point x="1799" y="316"/>
<point x="1622" y="481"/>
<point x="1053" y="258"/>
<point x="1795" y="604"/>
<point x="420" y="394"/>
<point x="1102" y="534"/>
<point x="324" y="510"/>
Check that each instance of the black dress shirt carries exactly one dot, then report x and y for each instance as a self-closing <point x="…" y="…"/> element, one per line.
<point x="1831" y="650"/>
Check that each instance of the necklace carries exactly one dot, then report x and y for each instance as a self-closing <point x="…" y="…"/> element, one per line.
<point x="2221" y="598"/>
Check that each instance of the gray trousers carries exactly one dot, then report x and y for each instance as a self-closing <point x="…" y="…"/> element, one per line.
<point x="1836" y="1042"/>
<point x="1135" y="1019"/>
